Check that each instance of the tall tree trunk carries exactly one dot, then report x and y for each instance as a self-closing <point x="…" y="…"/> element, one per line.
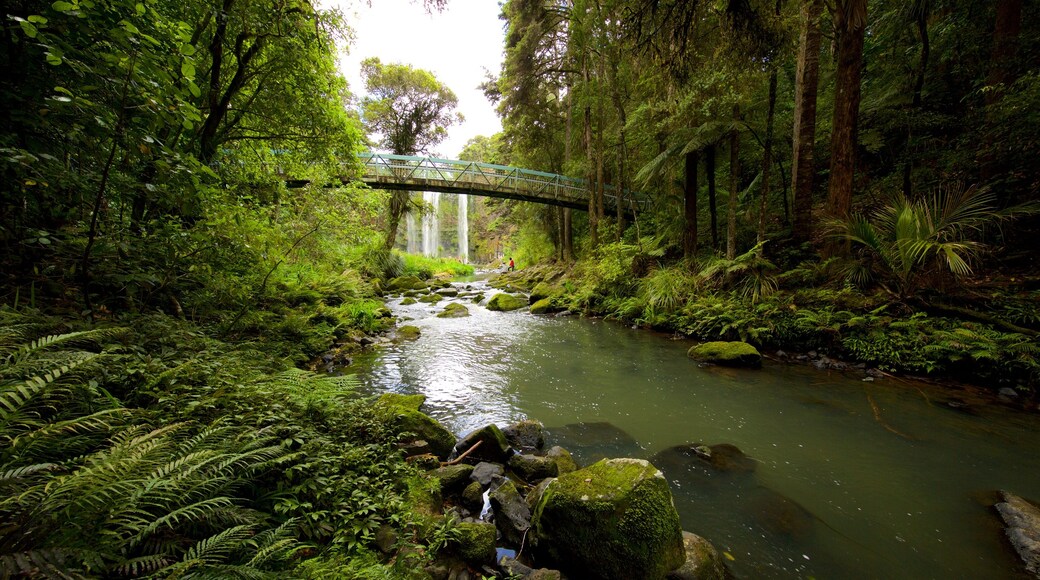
<point x="398" y="205"/>
<point x="1005" y="48"/>
<point x="690" y="206"/>
<point x="590" y="158"/>
<point x="767" y="156"/>
<point x="600" y="152"/>
<point x="734" y="184"/>
<point x="566" y="250"/>
<point x="807" y="79"/>
<point x="709" y="171"/>
<point x="622" y="181"/>
<point x="568" y="241"/>
<point x="921" y="21"/>
<point x="850" y="21"/>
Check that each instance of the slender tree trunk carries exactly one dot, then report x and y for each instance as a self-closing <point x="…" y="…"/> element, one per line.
<point x="921" y="20"/>
<point x="600" y="153"/>
<point x="1005" y="48"/>
<point x="709" y="173"/>
<point x="734" y="184"/>
<point x="807" y="80"/>
<point x="398" y="205"/>
<point x="690" y="206"/>
<point x="850" y="26"/>
<point x="590" y="159"/>
<point x="767" y="156"/>
<point x="566" y="250"/>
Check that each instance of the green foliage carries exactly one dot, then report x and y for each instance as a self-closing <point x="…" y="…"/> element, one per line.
<point x="912" y="242"/>
<point x="754" y="275"/>
<point x="426" y="267"/>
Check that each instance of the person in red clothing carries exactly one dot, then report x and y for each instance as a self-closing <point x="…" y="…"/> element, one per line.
<point x="512" y="266"/>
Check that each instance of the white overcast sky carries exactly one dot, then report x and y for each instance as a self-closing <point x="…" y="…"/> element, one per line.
<point x="456" y="45"/>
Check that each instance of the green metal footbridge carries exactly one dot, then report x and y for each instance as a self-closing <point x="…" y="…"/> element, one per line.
<point x="404" y="172"/>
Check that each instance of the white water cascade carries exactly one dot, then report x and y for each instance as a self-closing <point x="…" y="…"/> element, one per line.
<point x="412" y="232"/>
<point x="431" y="227"/>
<point x="464" y="228"/>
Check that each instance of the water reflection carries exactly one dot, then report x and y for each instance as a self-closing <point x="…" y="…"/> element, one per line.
<point x="851" y="479"/>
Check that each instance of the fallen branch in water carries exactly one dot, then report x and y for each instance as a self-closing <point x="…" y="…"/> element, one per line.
<point x="877" y="417"/>
<point x="463" y="456"/>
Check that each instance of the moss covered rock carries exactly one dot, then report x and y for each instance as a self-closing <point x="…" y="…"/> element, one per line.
<point x="505" y="302"/>
<point x="702" y="561"/>
<point x="449" y="292"/>
<point x="541" y="291"/>
<point x="512" y="515"/>
<point x="732" y="354"/>
<point x="543" y="306"/>
<point x="527" y="434"/>
<point x="613" y="519"/>
<point x="473" y="497"/>
<point x="406" y="283"/>
<point x="454" y="310"/>
<point x="406" y="418"/>
<point x="478" y="297"/>
<point x="563" y="460"/>
<point x="533" y="468"/>
<point x="453" y="478"/>
<point x="430" y="298"/>
<point x="477" y="543"/>
<point x="493" y="445"/>
<point x="408" y="301"/>
<point x="412" y="402"/>
<point x="408" y="332"/>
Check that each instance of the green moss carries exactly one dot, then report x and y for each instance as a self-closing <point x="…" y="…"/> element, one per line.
<point x="505" y="302"/>
<point x="452" y="478"/>
<point x="412" y="402"/>
<point x="541" y="291"/>
<point x="613" y="519"/>
<point x="406" y="283"/>
<point x="454" y="310"/>
<point x="430" y="298"/>
<point x="408" y="301"/>
<point x="409" y="332"/>
<point x="422" y="426"/>
<point x="737" y="354"/>
<point x="543" y="306"/>
<point x="477" y="543"/>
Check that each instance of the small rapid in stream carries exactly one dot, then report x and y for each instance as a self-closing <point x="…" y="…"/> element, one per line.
<point x="851" y="479"/>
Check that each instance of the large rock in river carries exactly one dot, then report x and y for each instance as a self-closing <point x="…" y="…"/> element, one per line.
<point x="732" y="354"/>
<point x="406" y="283"/>
<point x="408" y="419"/>
<point x="493" y="445"/>
<point x="505" y="302"/>
<point x="1022" y="519"/>
<point x="454" y="310"/>
<point x="702" y="561"/>
<point x="613" y="519"/>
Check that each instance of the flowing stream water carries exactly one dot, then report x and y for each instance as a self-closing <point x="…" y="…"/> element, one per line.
<point x="852" y="479"/>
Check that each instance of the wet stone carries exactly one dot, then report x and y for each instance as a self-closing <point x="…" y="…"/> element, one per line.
<point x="485" y="472"/>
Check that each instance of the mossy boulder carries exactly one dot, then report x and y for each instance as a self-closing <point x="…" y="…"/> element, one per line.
<point x="543" y="306"/>
<point x="478" y="297"/>
<point x="613" y="519"/>
<point x="413" y="402"/>
<point x="541" y="291"/>
<point x="454" y="310"/>
<point x="383" y="312"/>
<point x="533" y="468"/>
<point x="563" y="460"/>
<point x="512" y="515"/>
<point x="477" y="543"/>
<point x="449" y="292"/>
<point x="493" y="446"/>
<point x="430" y="298"/>
<point x="408" y="301"/>
<point x="407" y="419"/>
<point x="702" y="561"/>
<point x="406" y="283"/>
<point x="473" y="497"/>
<point x="453" y="478"/>
<point x="731" y="354"/>
<point x="505" y="302"/>
<point x="408" y="332"/>
<point x="527" y="434"/>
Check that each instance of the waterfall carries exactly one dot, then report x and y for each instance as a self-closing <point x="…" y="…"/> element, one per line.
<point x="431" y="227"/>
<point x="464" y="228"/>
<point x="412" y="233"/>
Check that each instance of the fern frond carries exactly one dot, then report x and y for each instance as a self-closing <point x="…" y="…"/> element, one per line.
<point x="85" y="338"/>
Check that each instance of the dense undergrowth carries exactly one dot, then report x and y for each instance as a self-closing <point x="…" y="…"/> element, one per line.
<point x="189" y="444"/>
<point x="987" y="337"/>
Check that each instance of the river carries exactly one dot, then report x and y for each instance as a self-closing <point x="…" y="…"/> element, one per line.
<point x="852" y="479"/>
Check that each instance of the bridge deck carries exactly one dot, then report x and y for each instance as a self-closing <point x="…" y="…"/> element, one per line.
<point x="404" y="172"/>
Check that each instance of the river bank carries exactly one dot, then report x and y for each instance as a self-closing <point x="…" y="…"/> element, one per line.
<point x="843" y="330"/>
<point x="857" y="456"/>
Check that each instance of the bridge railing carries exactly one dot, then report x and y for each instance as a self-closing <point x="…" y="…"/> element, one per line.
<point x="470" y="175"/>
